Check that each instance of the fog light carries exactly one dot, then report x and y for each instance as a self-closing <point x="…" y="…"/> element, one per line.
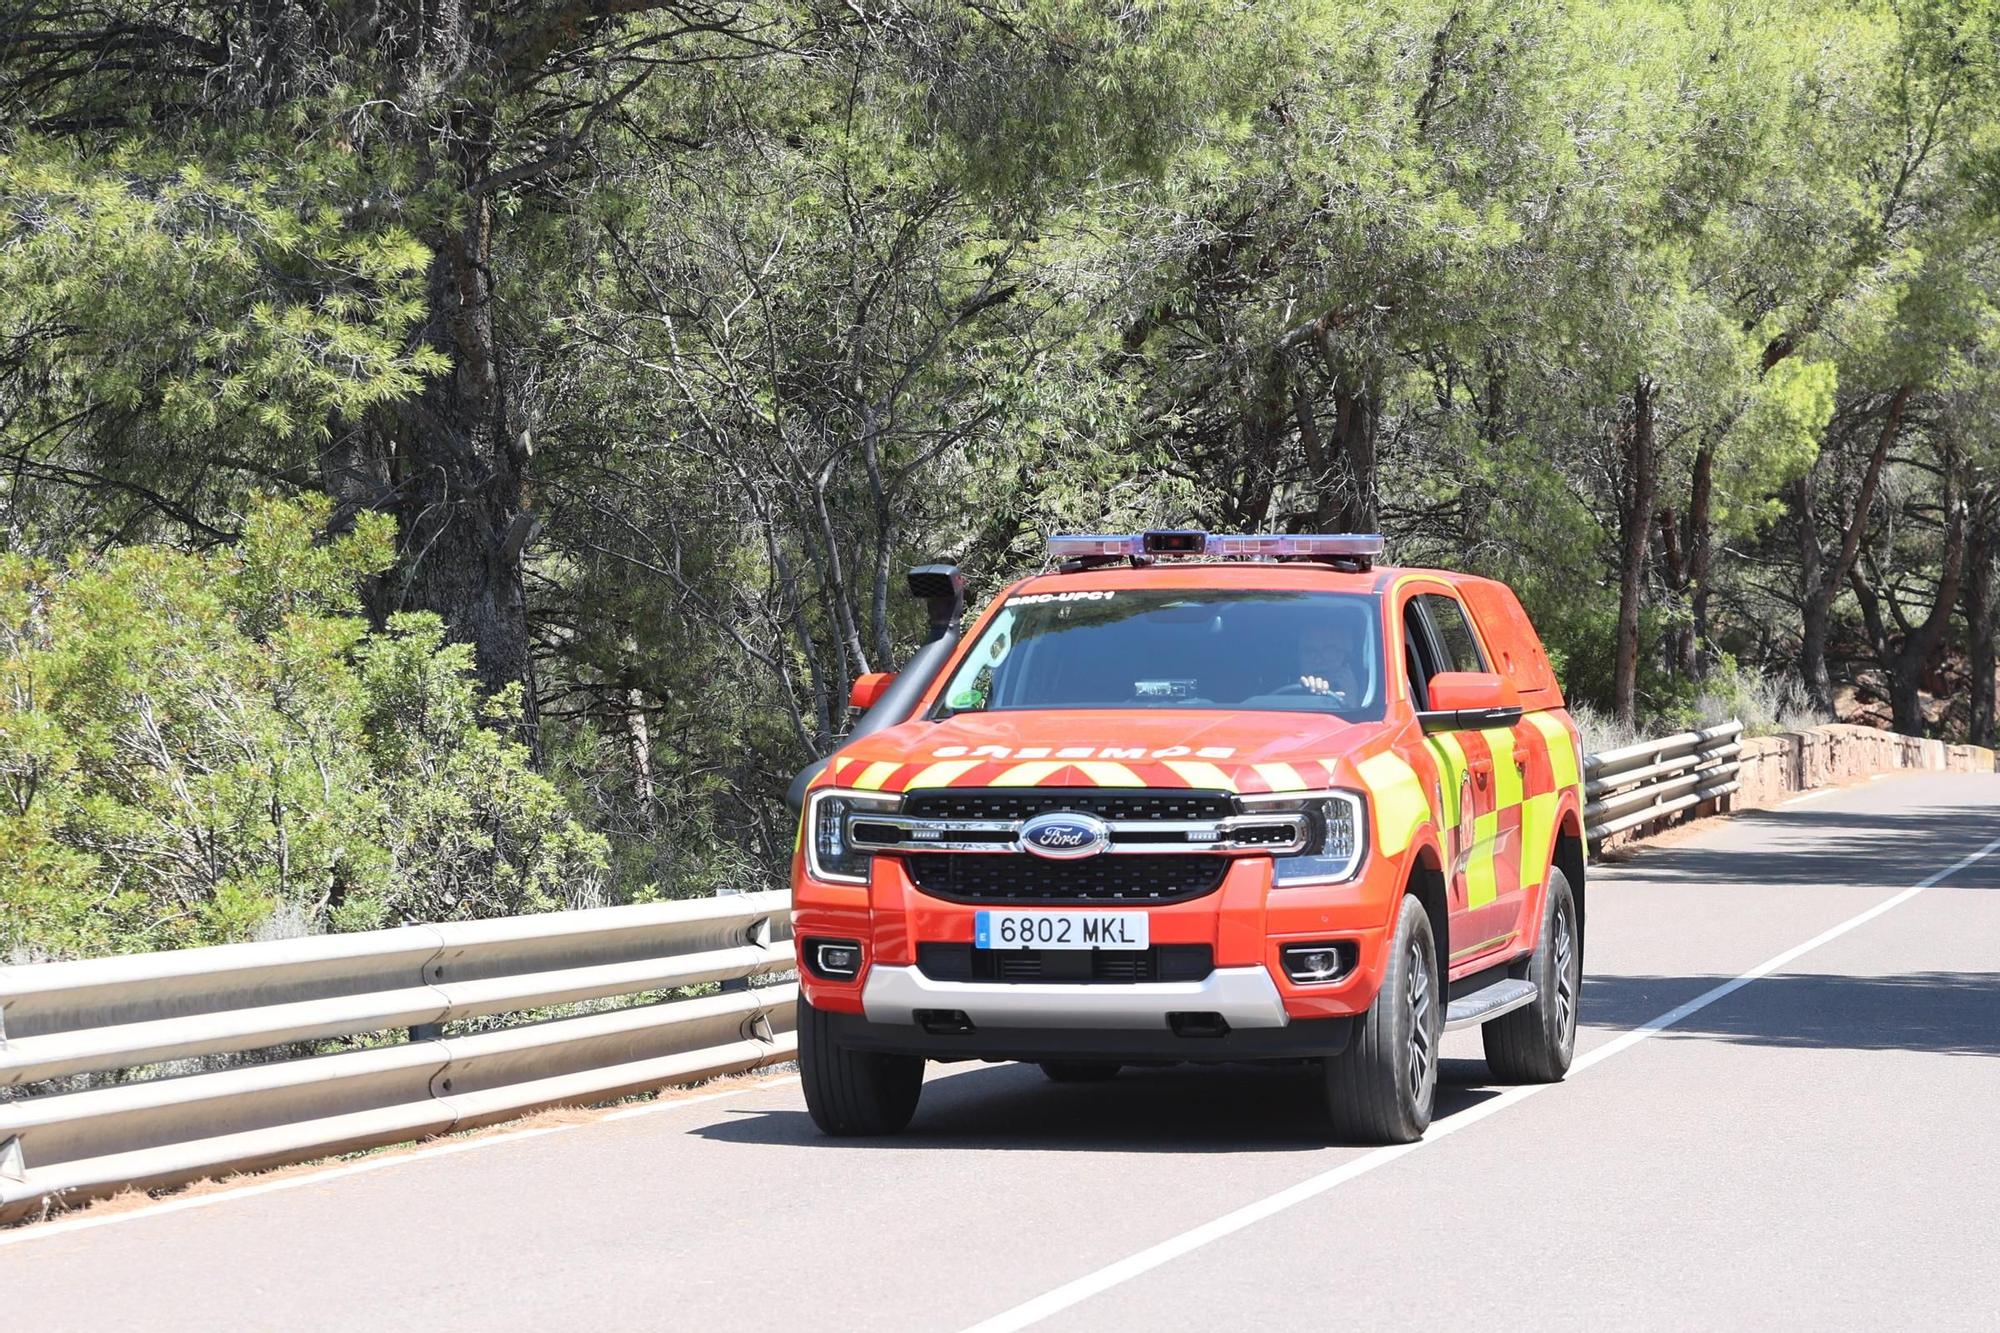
<point x="1316" y="964"/>
<point x="837" y="960"/>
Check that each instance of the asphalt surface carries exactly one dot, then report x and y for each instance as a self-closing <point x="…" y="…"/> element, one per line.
<point x="1813" y="1147"/>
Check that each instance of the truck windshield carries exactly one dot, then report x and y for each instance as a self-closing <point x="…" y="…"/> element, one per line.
<point x="1308" y="652"/>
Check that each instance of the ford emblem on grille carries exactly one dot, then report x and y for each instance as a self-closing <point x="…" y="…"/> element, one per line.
<point x="1063" y="835"/>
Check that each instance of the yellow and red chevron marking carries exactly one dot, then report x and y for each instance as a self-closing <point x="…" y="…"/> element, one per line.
<point x="1250" y="779"/>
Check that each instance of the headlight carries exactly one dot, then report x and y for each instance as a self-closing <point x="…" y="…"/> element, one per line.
<point x="829" y="854"/>
<point x="1337" y="835"/>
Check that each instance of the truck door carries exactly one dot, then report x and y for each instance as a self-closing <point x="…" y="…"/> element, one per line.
<point x="1463" y="777"/>
<point x="1487" y="842"/>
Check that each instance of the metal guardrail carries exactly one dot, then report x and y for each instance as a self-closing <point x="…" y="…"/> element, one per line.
<point x="143" y="1009"/>
<point x="131" y="1012"/>
<point x="1638" y="784"/>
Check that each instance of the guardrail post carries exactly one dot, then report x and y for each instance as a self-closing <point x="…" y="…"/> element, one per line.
<point x="732" y="985"/>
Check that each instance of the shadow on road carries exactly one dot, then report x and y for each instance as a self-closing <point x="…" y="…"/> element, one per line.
<point x="1185" y="1108"/>
<point x="1804" y="846"/>
<point x="1948" y="1013"/>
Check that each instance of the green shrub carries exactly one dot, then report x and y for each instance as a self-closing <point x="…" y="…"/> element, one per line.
<point x="197" y="748"/>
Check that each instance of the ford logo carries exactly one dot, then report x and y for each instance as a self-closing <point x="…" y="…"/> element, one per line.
<point x="1063" y="835"/>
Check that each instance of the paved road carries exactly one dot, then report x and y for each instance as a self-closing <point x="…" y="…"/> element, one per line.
<point x="1815" y="1146"/>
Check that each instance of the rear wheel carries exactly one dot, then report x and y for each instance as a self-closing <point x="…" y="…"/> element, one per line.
<point x="853" y="1092"/>
<point x="1383" y="1087"/>
<point x="1079" y="1071"/>
<point x="1535" y="1043"/>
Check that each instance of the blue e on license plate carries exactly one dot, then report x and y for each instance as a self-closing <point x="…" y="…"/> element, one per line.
<point x="1059" y="930"/>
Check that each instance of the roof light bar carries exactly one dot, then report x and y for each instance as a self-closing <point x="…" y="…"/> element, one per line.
<point x="1277" y="545"/>
<point x="1088" y="546"/>
<point x="1099" y="547"/>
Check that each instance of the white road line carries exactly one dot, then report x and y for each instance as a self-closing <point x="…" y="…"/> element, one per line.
<point x="1811" y="796"/>
<point x="1081" y="1289"/>
<point x="84" y="1222"/>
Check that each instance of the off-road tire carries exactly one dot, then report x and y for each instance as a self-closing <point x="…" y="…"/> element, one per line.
<point x="849" y="1092"/>
<point x="1079" y="1071"/>
<point x="1383" y="1087"/>
<point x="1535" y="1043"/>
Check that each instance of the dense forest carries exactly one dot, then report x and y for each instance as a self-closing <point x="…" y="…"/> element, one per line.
<point x="454" y="457"/>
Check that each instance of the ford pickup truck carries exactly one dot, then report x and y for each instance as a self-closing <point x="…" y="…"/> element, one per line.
<point x="1194" y="797"/>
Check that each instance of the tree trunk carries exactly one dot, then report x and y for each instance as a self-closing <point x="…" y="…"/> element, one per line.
<point x="458" y="470"/>
<point x="1673" y="562"/>
<point x="1642" y="480"/>
<point x="1700" y="554"/>
<point x="1357" y="418"/>
<point x="1820" y="579"/>
<point x="1979" y="606"/>
<point x="1912" y="657"/>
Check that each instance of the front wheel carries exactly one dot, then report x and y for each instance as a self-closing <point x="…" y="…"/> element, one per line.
<point x="1535" y="1043"/>
<point x="849" y="1092"/>
<point x="1383" y="1087"/>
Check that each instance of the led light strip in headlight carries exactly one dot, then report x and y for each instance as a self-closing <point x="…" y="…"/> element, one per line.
<point x="830" y="851"/>
<point x="1336" y="843"/>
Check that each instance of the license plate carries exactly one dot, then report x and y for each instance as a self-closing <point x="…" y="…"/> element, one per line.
<point x="1059" y="930"/>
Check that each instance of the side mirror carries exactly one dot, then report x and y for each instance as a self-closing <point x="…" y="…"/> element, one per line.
<point x="1471" y="700"/>
<point x="868" y="687"/>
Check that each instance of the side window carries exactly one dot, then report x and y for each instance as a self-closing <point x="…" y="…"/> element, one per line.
<point x="1419" y="656"/>
<point x="1455" y="640"/>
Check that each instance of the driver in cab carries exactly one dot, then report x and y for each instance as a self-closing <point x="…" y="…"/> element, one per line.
<point x="1326" y="663"/>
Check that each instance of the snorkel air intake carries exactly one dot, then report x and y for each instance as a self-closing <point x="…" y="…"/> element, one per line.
<point x="942" y="590"/>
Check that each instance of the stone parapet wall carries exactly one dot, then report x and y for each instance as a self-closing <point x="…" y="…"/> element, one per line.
<point x="1773" y="768"/>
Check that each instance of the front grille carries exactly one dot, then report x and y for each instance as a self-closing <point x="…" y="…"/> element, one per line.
<point x="981" y="877"/>
<point x="1162" y="962"/>
<point x="1104" y="802"/>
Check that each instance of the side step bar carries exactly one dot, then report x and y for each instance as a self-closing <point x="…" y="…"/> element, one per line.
<point x="1501" y="997"/>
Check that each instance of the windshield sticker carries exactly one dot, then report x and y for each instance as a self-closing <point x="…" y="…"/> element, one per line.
<point x="1033" y="598"/>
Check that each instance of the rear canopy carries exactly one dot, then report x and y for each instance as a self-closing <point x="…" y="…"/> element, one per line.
<point x="1511" y="641"/>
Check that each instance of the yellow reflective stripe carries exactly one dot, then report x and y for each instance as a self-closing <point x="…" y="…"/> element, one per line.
<point x="1481" y="886"/>
<point x="1280" y="777"/>
<point x="876" y="774"/>
<point x="1562" y="749"/>
<point x="943" y="773"/>
<point x="1196" y="773"/>
<point x="1033" y="773"/>
<point x="1398" y="799"/>
<point x="1451" y="774"/>
<point x="840" y="767"/>
<point x="1506" y="777"/>
<point x="1110" y="775"/>
<point x="1538" y="826"/>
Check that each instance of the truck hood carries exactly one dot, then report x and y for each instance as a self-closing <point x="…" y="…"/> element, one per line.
<point x="1158" y="748"/>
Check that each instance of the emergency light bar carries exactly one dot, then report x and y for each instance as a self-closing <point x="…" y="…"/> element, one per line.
<point x="1097" y="548"/>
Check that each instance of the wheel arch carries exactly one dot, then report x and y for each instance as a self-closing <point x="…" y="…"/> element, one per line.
<point x="1425" y="882"/>
<point x="1568" y="857"/>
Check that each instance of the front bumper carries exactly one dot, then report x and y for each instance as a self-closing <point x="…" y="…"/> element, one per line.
<point x="1302" y="1039"/>
<point x="1245" y="925"/>
<point x="1243" y="997"/>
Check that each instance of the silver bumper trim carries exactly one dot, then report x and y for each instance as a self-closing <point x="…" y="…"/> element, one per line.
<point x="1246" y="997"/>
